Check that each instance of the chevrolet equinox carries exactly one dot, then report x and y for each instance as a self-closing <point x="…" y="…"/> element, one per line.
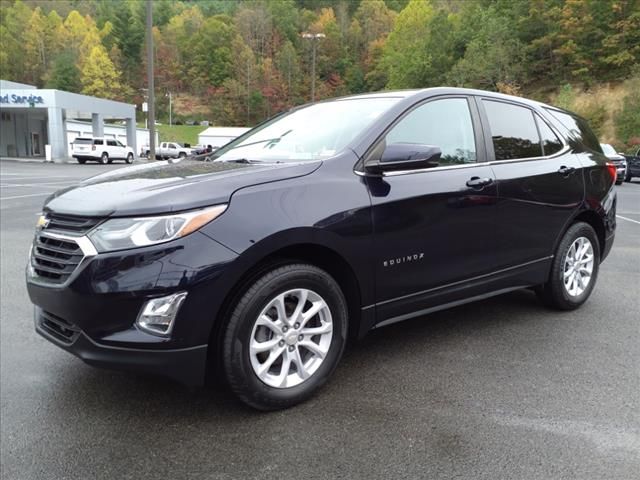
<point x="317" y="226"/>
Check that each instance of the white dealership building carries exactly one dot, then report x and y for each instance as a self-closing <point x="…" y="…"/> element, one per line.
<point x="32" y="118"/>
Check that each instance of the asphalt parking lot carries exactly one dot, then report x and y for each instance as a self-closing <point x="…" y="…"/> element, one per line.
<point x="501" y="389"/>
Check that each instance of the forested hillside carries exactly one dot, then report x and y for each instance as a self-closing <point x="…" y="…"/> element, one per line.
<point x="237" y="62"/>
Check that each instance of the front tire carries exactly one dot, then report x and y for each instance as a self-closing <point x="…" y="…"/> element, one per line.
<point x="129" y="158"/>
<point x="284" y="337"/>
<point x="574" y="270"/>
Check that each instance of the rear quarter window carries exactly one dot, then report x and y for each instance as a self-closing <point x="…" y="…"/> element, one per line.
<point x="578" y="128"/>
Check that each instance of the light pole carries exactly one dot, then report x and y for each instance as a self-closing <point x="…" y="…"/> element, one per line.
<point x="314" y="37"/>
<point x="168" y="94"/>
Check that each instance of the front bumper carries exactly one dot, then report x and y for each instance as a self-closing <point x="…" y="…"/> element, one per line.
<point x="93" y="313"/>
<point x="185" y="365"/>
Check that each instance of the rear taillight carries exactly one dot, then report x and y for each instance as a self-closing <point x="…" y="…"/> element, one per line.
<point x="613" y="172"/>
<point x="93" y="147"/>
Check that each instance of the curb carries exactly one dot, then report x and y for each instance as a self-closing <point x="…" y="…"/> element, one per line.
<point x="58" y="162"/>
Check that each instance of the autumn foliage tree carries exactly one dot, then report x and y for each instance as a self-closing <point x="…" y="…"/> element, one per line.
<point x="237" y="62"/>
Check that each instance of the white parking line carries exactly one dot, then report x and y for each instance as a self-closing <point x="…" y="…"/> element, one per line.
<point x="54" y="184"/>
<point x="25" y="196"/>
<point x="28" y="177"/>
<point x="628" y="219"/>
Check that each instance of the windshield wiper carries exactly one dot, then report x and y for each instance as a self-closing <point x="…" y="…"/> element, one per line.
<point x="266" y="140"/>
<point x="251" y="162"/>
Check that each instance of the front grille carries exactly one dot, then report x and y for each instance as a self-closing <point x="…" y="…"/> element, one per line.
<point x="56" y="251"/>
<point x="59" y="328"/>
<point x="54" y="260"/>
<point x="71" y="224"/>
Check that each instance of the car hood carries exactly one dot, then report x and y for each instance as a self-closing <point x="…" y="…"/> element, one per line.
<point x="171" y="186"/>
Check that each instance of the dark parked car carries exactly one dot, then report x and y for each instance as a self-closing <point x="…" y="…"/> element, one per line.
<point x="618" y="160"/>
<point x="314" y="228"/>
<point x="633" y="166"/>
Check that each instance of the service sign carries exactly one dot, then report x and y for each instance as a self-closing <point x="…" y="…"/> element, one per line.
<point x="14" y="99"/>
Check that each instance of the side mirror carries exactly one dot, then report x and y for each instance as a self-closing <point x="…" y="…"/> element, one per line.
<point x="406" y="156"/>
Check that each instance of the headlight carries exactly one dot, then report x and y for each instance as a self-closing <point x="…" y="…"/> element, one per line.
<point x="123" y="233"/>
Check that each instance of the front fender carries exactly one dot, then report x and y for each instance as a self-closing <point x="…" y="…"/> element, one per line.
<point x="327" y="208"/>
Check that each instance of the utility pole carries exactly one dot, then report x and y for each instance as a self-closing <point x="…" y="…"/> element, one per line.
<point x="314" y="37"/>
<point x="168" y="94"/>
<point x="150" y="83"/>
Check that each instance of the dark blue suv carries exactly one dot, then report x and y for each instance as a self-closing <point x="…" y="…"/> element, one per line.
<point x="317" y="226"/>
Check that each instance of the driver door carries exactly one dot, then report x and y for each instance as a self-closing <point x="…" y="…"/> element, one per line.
<point x="433" y="227"/>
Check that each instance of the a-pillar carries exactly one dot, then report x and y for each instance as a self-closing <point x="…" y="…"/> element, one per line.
<point x="57" y="133"/>
<point x="97" y="125"/>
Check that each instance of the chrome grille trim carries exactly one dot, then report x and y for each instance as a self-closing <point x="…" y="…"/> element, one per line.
<point x="53" y="260"/>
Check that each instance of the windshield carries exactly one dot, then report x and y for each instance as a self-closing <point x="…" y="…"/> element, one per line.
<point x="607" y="149"/>
<point x="311" y="133"/>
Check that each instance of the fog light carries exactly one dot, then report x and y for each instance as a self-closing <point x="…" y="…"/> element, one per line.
<point x="158" y="314"/>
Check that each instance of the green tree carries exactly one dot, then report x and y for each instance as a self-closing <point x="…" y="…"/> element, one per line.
<point x="35" y="37"/>
<point x="99" y="76"/>
<point x="128" y="33"/>
<point x="621" y="48"/>
<point x="13" y="58"/>
<point x="420" y="50"/>
<point x="406" y="59"/>
<point x="63" y="74"/>
<point x="493" y="54"/>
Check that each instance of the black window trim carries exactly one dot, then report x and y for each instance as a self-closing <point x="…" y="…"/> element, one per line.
<point x="488" y="140"/>
<point x="538" y="118"/>
<point x="476" y="124"/>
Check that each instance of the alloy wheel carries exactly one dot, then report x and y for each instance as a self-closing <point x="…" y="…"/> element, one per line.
<point x="291" y="338"/>
<point x="578" y="266"/>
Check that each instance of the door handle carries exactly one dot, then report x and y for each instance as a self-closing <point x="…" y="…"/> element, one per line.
<point x="477" y="182"/>
<point x="564" y="170"/>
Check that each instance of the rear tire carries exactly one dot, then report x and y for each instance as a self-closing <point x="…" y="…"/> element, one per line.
<point x="574" y="270"/>
<point x="300" y="352"/>
<point x="104" y="158"/>
<point x="81" y="161"/>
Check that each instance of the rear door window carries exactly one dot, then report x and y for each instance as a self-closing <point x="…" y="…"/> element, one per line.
<point x="513" y="131"/>
<point x="97" y="142"/>
<point x="112" y="143"/>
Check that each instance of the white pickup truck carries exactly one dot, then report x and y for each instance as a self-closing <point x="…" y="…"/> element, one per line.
<point x="172" y="150"/>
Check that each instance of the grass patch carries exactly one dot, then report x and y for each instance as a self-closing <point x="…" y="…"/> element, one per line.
<point x="178" y="133"/>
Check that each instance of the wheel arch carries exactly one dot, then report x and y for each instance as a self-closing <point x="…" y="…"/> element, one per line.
<point x="594" y="220"/>
<point x="317" y="254"/>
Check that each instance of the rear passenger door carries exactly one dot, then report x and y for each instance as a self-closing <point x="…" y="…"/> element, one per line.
<point x="114" y="150"/>
<point x="540" y="183"/>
